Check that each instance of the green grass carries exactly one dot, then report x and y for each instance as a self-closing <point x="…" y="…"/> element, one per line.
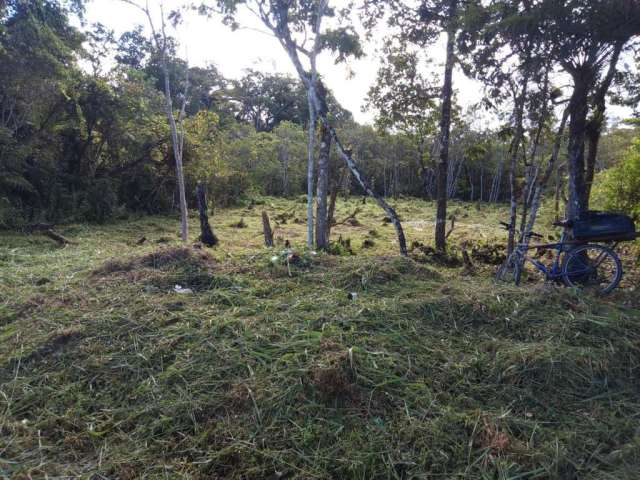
<point x="273" y="371"/>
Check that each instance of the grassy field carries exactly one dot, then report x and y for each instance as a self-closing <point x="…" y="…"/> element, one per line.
<point x="331" y="366"/>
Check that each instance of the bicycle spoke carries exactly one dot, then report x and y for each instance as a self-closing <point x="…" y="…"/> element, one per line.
<point x="592" y="267"/>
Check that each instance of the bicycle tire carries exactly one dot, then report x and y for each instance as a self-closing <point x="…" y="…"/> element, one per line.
<point x="578" y="271"/>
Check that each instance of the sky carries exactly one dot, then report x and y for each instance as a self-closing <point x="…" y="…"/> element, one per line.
<point x="207" y="41"/>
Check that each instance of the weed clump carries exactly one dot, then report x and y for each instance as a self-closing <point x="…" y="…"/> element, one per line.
<point x="161" y="260"/>
<point x="239" y="224"/>
<point x="341" y="247"/>
<point x="368" y="243"/>
<point x="381" y="270"/>
<point x="166" y="268"/>
<point x="490" y="253"/>
<point x="428" y="254"/>
<point x="333" y="384"/>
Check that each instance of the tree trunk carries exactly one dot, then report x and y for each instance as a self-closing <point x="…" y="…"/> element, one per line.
<point x="316" y="104"/>
<point x="322" y="217"/>
<point x="285" y="169"/>
<point x="542" y="183"/>
<point x="515" y="147"/>
<point x="332" y="202"/>
<point x="310" y="168"/>
<point x="578" y="109"/>
<point x="206" y="233"/>
<point x="355" y="170"/>
<point x="597" y="122"/>
<point x="177" y="143"/>
<point x="445" y="130"/>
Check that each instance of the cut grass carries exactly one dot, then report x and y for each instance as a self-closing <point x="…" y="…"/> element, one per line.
<point x="274" y="371"/>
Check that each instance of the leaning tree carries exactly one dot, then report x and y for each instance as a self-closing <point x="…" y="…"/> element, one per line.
<point x="298" y="25"/>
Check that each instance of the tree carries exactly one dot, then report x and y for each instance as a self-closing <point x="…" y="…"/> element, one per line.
<point x="405" y="101"/>
<point x="297" y="25"/>
<point x="422" y="24"/>
<point x="266" y="100"/>
<point x="161" y="42"/>
<point x="445" y="125"/>
<point x="585" y="38"/>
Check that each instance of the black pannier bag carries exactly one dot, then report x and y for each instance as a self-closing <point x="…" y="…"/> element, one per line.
<point x="604" y="226"/>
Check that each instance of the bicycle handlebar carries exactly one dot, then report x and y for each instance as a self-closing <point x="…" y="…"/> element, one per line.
<point x="508" y="228"/>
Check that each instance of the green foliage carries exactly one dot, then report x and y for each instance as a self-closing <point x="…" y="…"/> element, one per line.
<point x="618" y="188"/>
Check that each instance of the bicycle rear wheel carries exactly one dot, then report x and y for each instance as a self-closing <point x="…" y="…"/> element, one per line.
<point x="593" y="268"/>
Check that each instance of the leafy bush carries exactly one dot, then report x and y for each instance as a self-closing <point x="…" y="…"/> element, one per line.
<point x="618" y="188"/>
<point x="229" y="190"/>
<point x="102" y="201"/>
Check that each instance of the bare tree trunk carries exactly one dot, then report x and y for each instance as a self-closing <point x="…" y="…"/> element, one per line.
<point x="445" y="130"/>
<point x="177" y="137"/>
<point x="396" y="174"/>
<point x="177" y="152"/>
<point x="515" y="147"/>
<point x="310" y="168"/>
<point x="322" y="217"/>
<point x="542" y="183"/>
<point x="355" y="170"/>
<point x="284" y="152"/>
<point x="496" y="181"/>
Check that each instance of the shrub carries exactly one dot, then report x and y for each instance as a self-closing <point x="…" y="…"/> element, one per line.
<point x="618" y="188"/>
<point x="229" y="190"/>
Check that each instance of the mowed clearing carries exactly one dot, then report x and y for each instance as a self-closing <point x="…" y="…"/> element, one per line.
<point x="274" y="369"/>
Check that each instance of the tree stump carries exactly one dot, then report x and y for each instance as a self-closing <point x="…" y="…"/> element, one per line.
<point x="207" y="236"/>
<point x="266" y="229"/>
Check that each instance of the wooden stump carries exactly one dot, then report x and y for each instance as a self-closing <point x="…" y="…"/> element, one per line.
<point x="207" y="236"/>
<point x="266" y="229"/>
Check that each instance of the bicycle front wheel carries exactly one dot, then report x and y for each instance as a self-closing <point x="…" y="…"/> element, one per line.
<point x="593" y="268"/>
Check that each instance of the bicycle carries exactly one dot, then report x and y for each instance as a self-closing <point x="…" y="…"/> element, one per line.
<point x="577" y="263"/>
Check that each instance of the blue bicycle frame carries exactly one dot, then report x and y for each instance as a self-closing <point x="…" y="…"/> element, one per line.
<point x="555" y="272"/>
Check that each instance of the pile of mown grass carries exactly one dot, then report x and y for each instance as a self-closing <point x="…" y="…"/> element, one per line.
<point x="276" y="372"/>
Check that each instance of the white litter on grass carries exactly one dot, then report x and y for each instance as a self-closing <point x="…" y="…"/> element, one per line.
<point x="179" y="289"/>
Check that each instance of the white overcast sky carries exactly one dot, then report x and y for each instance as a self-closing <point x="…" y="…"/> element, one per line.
<point x="207" y="41"/>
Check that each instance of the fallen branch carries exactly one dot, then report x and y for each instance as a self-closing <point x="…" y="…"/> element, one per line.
<point x="58" y="238"/>
<point x="351" y="219"/>
<point x="453" y="225"/>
